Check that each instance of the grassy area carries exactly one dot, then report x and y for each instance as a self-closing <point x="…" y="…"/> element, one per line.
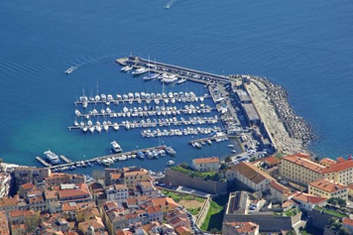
<point x="194" y="211"/>
<point x="214" y="217"/>
<point x="212" y="175"/>
<point x="212" y="211"/>
<point x="291" y="212"/>
<point x="177" y="197"/>
<point x="331" y="212"/>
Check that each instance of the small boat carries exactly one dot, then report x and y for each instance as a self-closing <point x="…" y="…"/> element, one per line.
<point x="170" y="151"/>
<point x="140" y="155"/>
<point x="116" y="146"/>
<point x="181" y="81"/>
<point x="170" y="163"/>
<point x="70" y="69"/>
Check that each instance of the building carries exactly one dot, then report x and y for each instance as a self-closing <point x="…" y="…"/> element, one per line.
<point x="340" y="172"/>
<point x="279" y="193"/>
<point x="348" y="224"/>
<point x="240" y="228"/>
<point x="5" y="179"/>
<point x="327" y="162"/>
<point x="249" y="175"/>
<point x="307" y="201"/>
<point x="300" y="169"/>
<point x="328" y="189"/>
<point x="74" y="193"/>
<point x="206" y="164"/>
<point x="4" y="225"/>
<point x="132" y="177"/>
<point x="118" y="193"/>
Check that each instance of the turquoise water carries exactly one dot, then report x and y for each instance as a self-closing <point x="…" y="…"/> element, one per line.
<point x="305" y="46"/>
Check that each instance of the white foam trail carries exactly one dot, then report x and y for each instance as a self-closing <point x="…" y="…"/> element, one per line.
<point x="169" y="4"/>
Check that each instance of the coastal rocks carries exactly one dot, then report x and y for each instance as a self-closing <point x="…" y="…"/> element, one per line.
<point x="289" y="131"/>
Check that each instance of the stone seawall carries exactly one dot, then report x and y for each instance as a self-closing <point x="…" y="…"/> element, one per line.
<point x="177" y="178"/>
<point x="289" y="132"/>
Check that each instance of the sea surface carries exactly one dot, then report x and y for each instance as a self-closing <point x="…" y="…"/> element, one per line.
<point x="306" y="46"/>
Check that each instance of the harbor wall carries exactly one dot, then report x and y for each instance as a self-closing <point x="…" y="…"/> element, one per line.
<point x="177" y="178"/>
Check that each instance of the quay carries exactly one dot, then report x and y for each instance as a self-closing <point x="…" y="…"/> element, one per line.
<point x="101" y="159"/>
<point x="44" y="163"/>
<point x="181" y="72"/>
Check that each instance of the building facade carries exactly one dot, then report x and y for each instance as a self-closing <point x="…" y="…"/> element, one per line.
<point x="206" y="164"/>
<point x="300" y="169"/>
<point x="328" y="189"/>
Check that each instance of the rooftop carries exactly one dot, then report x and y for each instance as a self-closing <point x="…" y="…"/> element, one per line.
<point x="206" y="160"/>
<point x="339" y="166"/>
<point x="248" y="171"/>
<point x="243" y="227"/>
<point x="308" y="198"/>
<point x="327" y="186"/>
<point x="304" y="161"/>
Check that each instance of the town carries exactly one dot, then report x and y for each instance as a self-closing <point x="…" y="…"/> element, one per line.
<point x="279" y="194"/>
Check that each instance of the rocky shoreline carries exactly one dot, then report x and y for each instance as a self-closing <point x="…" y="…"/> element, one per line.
<point x="275" y="96"/>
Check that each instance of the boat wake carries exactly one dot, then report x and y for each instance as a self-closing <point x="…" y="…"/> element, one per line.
<point x="84" y="60"/>
<point x="169" y="4"/>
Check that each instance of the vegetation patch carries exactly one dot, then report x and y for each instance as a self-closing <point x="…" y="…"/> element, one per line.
<point x="331" y="212"/>
<point x="191" y="203"/>
<point x="207" y="175"/>
<point x="214" y="217"/>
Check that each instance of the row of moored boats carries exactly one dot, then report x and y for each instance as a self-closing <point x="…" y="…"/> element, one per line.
<point x="146" y="111"/>
<point x="139" y="97"/>
<point x="105" y="125"/>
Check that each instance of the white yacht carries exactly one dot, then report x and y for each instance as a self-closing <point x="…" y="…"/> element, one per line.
<point x="116" y="146"/>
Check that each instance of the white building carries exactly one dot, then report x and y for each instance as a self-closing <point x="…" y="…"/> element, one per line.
<point x="206" y="164"/>
<point x="118" y="193"/>
<point x="5" y="179"/>
<point x="249" y="175"/>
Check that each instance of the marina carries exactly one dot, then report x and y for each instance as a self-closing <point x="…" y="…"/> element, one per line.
<point x="107" y="160"/>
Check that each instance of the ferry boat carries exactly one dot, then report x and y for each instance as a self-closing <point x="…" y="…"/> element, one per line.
<point x="70" y="70"/>
<point x="52" y="157"/>
<point x="116" y="147"/>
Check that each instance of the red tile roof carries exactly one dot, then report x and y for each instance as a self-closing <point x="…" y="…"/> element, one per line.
<point x="304" y="161"/>
<point x="248" y="171"/>
<point x="27" y="186"/>
<point x="327" y="186"/>
<point x="347" y="221"/>
<point x="308" y="198"/>
<point x="271" y="160"/>
<point x="327" y="161"/>
<point x="279" y="187"/>
<point x="206" y="160"/>
<point x="339" y="166"/>
<point x="243" y="227"/>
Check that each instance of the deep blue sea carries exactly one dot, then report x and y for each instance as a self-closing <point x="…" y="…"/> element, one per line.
<point x="306" y="46"/>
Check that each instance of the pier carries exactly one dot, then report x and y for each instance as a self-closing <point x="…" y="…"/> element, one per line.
<point x="41" y="161"/>
<point x="65" y="159"/>
<point x="99" y="159"/>
<point x="182" y="72"/>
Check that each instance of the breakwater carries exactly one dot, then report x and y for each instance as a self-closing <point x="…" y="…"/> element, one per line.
<point x="289" y="130"/>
